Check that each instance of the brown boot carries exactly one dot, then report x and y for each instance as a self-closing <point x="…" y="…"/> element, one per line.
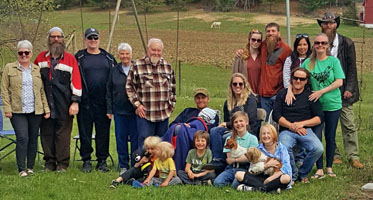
<point x="337" y="161"/>
<point x="356" y="164"/>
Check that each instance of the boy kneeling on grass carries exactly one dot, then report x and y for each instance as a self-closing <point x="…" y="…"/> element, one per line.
<point x="164" y="166"/>
<point x="197" y="157"/>
<point x="142" y="167"/>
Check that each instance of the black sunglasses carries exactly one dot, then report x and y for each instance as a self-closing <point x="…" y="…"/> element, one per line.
<point x="299" y="78"/>
<point x="92" y="37"/>
<point x="322" y="43"/>
<point x="301" y="35"/>
<point x="235" y="84"/>
<point x="21" y="53"/>
<point x="256" y="40"/>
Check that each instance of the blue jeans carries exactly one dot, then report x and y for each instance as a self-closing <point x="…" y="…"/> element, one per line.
<point x="330" y="122"/>
<point x="227" y="177"/>
<point x="217" y="139"/>
<point x="310" y="142"/>
<point x="125" y="126"/>
<point x="147" y="128"/>
<point x="267" y="104"/>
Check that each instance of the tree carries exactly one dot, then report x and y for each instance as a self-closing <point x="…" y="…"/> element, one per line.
<point x="270" y="3"/>
<point x="309" y="6"/>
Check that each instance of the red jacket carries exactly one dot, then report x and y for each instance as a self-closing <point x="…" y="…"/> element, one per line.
<point x="271" y="70"/>
<point x="62" y="86"/>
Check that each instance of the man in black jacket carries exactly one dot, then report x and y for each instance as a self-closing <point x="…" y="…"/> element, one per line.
<point x="344" y="49"/>
<point x="95" y="65"/>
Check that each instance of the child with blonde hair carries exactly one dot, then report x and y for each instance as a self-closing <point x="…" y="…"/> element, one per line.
<point x="164" y="166"/>
<point x="143" y="165"/>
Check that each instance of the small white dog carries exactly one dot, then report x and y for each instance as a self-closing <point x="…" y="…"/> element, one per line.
<point x="215" y="25"/>
<point x="257" y="161"/>
<point x="236" y="150"/>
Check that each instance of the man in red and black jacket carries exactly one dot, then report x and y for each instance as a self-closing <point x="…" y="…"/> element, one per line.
<point x="62" y="83"/>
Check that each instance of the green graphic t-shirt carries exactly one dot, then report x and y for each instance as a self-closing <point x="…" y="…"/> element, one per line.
<point x="197" y="162"/>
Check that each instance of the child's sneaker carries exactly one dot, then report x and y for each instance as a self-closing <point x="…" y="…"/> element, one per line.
<point x="137" y="184"/>
<point x="114" y="184"/>
<point x="244" y="187"/>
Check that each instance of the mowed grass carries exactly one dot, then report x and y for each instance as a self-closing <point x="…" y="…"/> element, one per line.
<point x="76" y="185"/>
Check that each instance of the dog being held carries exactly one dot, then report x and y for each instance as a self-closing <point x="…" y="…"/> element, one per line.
<point x="257" y="161"/>
<point x="236" y="150"/>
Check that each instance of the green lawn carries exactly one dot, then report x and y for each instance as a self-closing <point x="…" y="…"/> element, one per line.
<point x="76" y="185"/>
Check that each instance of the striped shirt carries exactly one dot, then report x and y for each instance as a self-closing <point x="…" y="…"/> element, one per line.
<point x="28" y="99"/>
<point x="153" y="87"/>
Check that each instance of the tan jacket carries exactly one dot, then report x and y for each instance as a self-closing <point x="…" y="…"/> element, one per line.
<point x="11" y="89"/>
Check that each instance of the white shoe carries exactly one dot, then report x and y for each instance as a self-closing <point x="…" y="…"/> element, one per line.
<point x="244" y="187"/>
<point x="30" y="172"/>
<point x="23" y="174"/>
<point x="122" y="171"/>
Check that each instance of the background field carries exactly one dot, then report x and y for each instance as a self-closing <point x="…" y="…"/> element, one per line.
<point x="206" y="55"/>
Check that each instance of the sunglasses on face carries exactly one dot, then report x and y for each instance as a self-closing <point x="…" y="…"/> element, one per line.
<point x="21" y="53"/>
<point x="299" y="78"/>
<point x="92" y="37"/>
<point x="235" y="84"/>
<point x="256" y="40"/>
<point x="56" y="36"/>
<point x="302" y="35"/>
<point x="322" y="43"/>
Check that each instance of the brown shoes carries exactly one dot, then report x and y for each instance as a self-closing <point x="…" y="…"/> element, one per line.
<point x="356" y="164"/>
<point x="337" y="161"/>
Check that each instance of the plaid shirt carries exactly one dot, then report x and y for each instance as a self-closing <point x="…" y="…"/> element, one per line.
<point x="153" y="87"/>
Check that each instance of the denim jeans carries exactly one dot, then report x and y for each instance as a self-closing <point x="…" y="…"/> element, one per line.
<point x="125" y="131"/>
<point x="217" y="139"/>
<point x="267" y="104"/>
<point x="147" y="128"/>
<point x="227" y="177"/>
<point x="330" y="122"/>
<point x="310" y="142"/>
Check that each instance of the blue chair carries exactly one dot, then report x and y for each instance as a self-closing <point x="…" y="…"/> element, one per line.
<point x="6" y="132"/>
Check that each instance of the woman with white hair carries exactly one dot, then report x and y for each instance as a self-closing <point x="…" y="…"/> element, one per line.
<point x="24" y="102"/>
<point x="118" y="105"/>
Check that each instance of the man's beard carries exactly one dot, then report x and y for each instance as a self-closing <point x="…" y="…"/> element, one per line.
<point x="56" y="48"/>
<point x="154" y="59"/>
<point x="271" y="44"/>
<point x="331" y="33"/>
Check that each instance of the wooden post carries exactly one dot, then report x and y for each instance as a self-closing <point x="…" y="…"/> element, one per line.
<point x="138" y="25"/>
<point x="113" y="25"/>
<point x="179" y="77"/>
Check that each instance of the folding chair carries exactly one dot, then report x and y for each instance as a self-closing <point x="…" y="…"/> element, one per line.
<point x="6" y="132"/>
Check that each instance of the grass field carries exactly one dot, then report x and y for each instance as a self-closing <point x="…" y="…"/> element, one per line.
<point x="202" y="51"/>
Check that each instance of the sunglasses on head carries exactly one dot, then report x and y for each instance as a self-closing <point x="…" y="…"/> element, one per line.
<point x="235" y="84"/>
<point x="256" y="40"/>
<point x="301" y="35"/>
<point x="322" y="43"/>
<point x="56" y="36"/>
<point x="92" y="37"/>
<point x="255" y="31"/>
<point x="21" y="53"/>
<point x="299" y="78"/>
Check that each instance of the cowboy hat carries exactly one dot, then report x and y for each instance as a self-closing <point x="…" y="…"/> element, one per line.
<point x="327" y="17"/>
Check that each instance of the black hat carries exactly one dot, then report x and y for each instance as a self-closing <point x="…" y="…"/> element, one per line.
<point x="327" y="17"/>
<point x="91" y="31"/>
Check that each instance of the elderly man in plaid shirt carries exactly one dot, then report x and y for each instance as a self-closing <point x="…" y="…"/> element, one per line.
<point x="151" y="89"/>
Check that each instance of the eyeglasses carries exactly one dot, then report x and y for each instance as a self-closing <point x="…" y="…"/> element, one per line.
<point x="322" y="43"/>
<point x="21" y="53"/>
<point x="256" y="40"/>
<point x="301" y="35"/>
<point x="92" y="37"/>
<point x="235" y="84"/>
<point x="299" y="78"/>
<point x="56" y="36"/>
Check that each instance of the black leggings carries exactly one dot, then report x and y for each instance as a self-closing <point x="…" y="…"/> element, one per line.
<point x="257" y="182"/>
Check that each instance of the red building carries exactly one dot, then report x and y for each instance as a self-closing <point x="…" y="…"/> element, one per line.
<point x="367" y="15"/>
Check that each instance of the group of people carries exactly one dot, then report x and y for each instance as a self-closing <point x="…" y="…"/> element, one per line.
<point x="305" y="91"/>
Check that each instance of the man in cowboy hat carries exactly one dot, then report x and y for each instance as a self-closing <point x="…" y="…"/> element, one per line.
<point x="344" y="49"/>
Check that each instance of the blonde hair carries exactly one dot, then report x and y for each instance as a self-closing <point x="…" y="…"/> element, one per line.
<point x="314" y="54"/>
<point x="152" y="141"/>
<point x="272" y="130"/>
<point x="233" y="100"/>
<point x="234" y="117"/>
<point x="166" y="149"/>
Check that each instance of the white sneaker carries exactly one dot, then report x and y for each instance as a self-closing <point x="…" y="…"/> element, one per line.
<point x="244" y="187"/>
<point x="30" y="171"/>
<point x="122" y="171"/>
<point x="23" y="174"/>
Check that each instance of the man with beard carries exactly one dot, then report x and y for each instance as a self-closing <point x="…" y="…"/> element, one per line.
<point x="344" y="49"/>
<point x="95" y="65"/>
<point x="151" y="89"/>
<point x="61" y="77"/>
<point x="273" y="54"/>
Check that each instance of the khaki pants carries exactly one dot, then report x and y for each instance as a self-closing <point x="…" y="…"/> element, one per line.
<point x="349" y="135"/>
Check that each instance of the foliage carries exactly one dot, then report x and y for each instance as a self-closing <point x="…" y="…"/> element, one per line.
<point x="222" y="5"/>
<point x="148" y="5"/>
<point x="270" y="3"/>
<point x="351" y="13"/>
<point x="309" y="6"/>
<point x="177" y="4"/>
